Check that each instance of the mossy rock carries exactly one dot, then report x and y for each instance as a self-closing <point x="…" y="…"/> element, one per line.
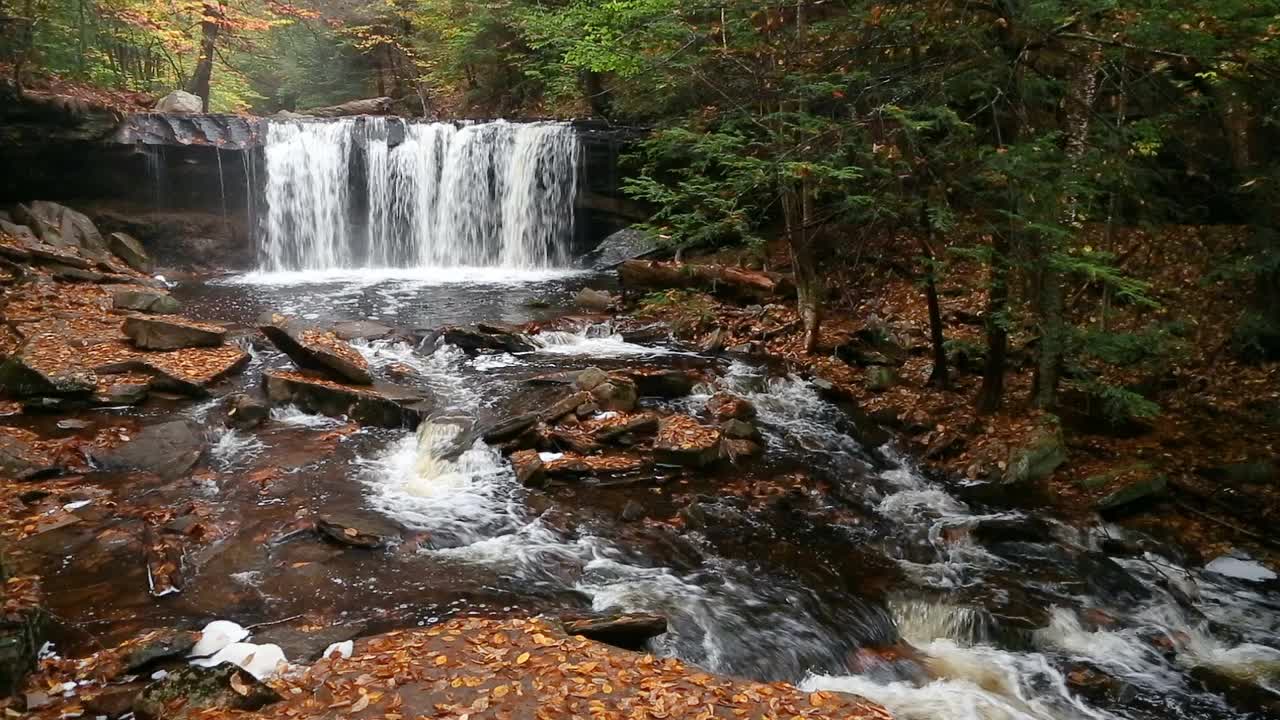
<point x="1132" y="493"/>
<point x="1036" y="461"/>
<point x="191" y="689"/>
<point x="881" y="378"/>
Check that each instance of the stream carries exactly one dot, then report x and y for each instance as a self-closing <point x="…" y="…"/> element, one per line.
<point x="827" y="562"/>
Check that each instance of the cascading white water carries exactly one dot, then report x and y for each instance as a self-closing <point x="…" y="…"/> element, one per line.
<point x="492" y="194"/>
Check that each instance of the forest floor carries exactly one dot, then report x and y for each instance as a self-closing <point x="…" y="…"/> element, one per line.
<point x="1213" y="444"/>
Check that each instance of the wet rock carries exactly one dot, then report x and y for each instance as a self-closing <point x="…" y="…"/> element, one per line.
<point x="745" y="348"/>
<point x="510" y="428"/>
<point x="344" y="533"/>
<point x="740" y="430"/>
<point x="127" y="248"/>
<point x="245" y="412"/>
<point x="712" y="343"/>
<point x="572" y="465"/>
<point x="619" y="432"/>
<point x="727" y="406"/>
<point x="157" y="645"/>
<point x="189" y="371"/>
<point x="22" y="632"/>
<point x="575" y="441"/>
<point x="564" y="406"/>
<point x="487" y="337"/>
<point x="880" y="378"/>
<point x="1037" y="460"/>
<point x="46" y="365"/>
<point x="682" y="440"/>
<point x="311" y="348"/>
<point x="662" y="382"/>
<point x="75" y="274"/>
<point x="647" y="335"/>
<point x="586" y="410"/>
<point x="590" y="379"/>
<point x="1011" y="529"/>
<point x="528" y="467"/>
<point x="1250" y="472"/>
<point x="64" y="261"/>
<point x="147" y="301"/>
<point x="1105" y="578"/>
<point x="623" y="245"/>
<point x="361" y="330"/>
<point x="21" y="461"/>
<point x="172" y="332"/>
<point x="631" y="512"/>
<point x="381" y="404"/>
<point x="169" y="449"/>
<point x="1133" y="494"/>
<point x="593" y="299"/>
<point x="948" y="445"/>
<point x="629" y="631"/>
<point x="189" y="690"/>
<point x="619" y="394"/>
<point x="734" y="449"/>
<point x="179" y="101"/>
<point x="112" y="701"/>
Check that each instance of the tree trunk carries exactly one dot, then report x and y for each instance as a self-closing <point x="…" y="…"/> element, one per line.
<point x="210" y="26"/>
<point x="938" y="376"/>
<point x="991" y="393"/>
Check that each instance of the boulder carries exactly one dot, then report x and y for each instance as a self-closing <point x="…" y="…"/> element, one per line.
<point x="486" y="337"/>
<point x="642" y="424"/>
<point x="740" y="430"/>
<point x="564" y="406"/>
<point x="528" y="467"/>
<point x="619" y="394"/>
<point x="127" y="248"/>
<point x="365" y="106"/>
<point x="623" y="245"/>
<point x="245" y="412"/>
<point x="361" y="330"/>
<point x="881" y="378"/>
<point x="510" y="428"/>
<point x="727" y="406"/>
<point x="1037" y="460"/>
<point x="682" y="440"/>
<point x="662" y="382"/>
<point x="380" y="404"/>
<point x="191" y="371"/>
<point x="172" y="332"/>
<point x="1132" y="493"/>
<point x="125" y="392"/>
<point x="597" y="300"/>
<point x="590" y="379"/>
<point x="112" y="701"/>
<point x="168" y="449"/>
<point x="732" y="449"/>
<point x="180" y="101"/>
<point x="21" y="461"/>
<point x="63" y="262"/>
<point x="186" y="692"/>
<point x="311" y="348"/>
<point x="629" y="631"/>
<point x="156" y="645"/>
<point x="347" y="533"/>
<point x="22" y="632"/>
<point x="147" y="301"/>
<point x="46" y="365"/>
<point x="61" y="226"/>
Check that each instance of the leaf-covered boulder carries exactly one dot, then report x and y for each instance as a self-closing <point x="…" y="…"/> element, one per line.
<point x="46" y="365"/>
<point x="313" y="348"/>
<point x="189" y="691"/>
<point x="682" y="440"/>
<point x="172" y="332"/>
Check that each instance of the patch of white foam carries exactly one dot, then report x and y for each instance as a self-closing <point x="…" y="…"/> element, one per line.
<point x="216" y="636"/>
<point x="598" y="340"/>
<point x="291" y="415"/>
<point x="1241" y="568"/>
<point x="261" y="661"/>
<point x="234" y="448"/>
<point x="419" y="276"/>
<point x="484" y="363"/>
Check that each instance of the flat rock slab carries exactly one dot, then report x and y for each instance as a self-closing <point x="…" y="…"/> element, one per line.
<point x="630" y="631"/>
<point x="128" y="249"/>
<point x="682" y="440"/>
<point x="46" y="365"/>
<point x="168" y="449"/>
<point x="361" y="330"/>
<point x="171" y="332"/>
<point x="145" y="300"/>
<point x="190" y="371"/>
<point x="488" y="337"/>
<point x="23" y="461"/>
<point x="381" y="404"/>
<point x="312" y="348"/>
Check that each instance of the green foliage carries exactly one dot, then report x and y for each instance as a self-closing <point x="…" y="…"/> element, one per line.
<point x="1256" y="337"/>
<point x="1119" y="405"/>
<point x="1126" y="349"/>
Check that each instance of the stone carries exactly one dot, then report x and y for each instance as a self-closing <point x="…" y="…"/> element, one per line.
<point x="20" y="461"/>
<point x="189" y="371"/>
<point x="623" y="245"/>
<point x="157" y="645"/>
<point x="619" y="395"/>
<point x="586" y="410"/>
<point x="344" y="533"/>
<point x="168" y="449"/>
<point x="180" y="101"/>
<point x="382" y="404"/>
<point x="1132" y="493"/>
<point x="662" y="382"/>
<point x="642" y="424"/>
<point x="881" y="378"/>
<point x="127" y="248"/>
<point x="112" y="701"/>
<point x="727" y="406"/>
<point x="487" y="337"/>
<point x="76" y="274"/>
<point x="629" y="631"/>
<point x="311" y="348"/>
<point x="564" y="406"/>
<point x="245" y="412"/>
<point x="589" y="299"/>
<point x="171" y="332"/>
<point x="740" y="430"/>
<point x="590" y="379"/>
<point x="631" y="512"/>
<point x="528" y="467"/>
<point x="1037" y="460"/>
<point x="46" y="365"/>
<point x="60" y="225"/>
<point x="361" y="330"/>
<point x="185" y="692"/>
<point x="732" y="449"/>
<point x="147" y="301"/>
<point x="682" y="440"/>
<point x="122" y="393"/>
<point x="510" y="428"/>
<point x="64" y="262"/>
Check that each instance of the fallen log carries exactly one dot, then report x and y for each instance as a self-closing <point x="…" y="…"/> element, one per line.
<point x="725" y="281"/>
<point x="367" y="106"/>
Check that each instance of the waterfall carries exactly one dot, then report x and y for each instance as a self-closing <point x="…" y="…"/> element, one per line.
<point x="380" y="193"/>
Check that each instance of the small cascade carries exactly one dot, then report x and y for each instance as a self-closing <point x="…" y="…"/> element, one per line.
<point x="379" y="193"/>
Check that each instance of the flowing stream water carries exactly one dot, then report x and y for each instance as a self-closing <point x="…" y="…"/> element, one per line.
<point x="826" y="563"/>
